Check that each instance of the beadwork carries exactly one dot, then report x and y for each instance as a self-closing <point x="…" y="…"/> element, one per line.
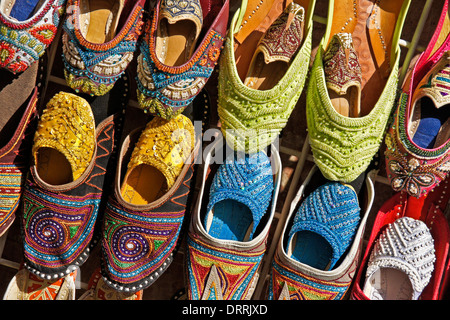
<point x="166" y="91"/>
<point x="94" y="68"/>
<point x="23" y="43"/>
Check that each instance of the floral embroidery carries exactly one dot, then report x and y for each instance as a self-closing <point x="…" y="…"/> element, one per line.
<point x="410" y="177"/>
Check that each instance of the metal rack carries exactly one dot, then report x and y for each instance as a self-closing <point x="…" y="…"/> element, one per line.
<point x="303" y="155"/>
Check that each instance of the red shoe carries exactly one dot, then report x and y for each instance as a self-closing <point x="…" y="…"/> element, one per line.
<point x="429" y="209"/>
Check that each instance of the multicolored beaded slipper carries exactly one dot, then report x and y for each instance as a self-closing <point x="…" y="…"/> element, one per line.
<point x="19" y="97"/>
<point x="430" y="209"/>
<point x="303" y="270"/>
<point x="96" y="54"/>
<point x="27" y="28"/>
<point x="144" y="215"/>
<point x="27" y="286"/>
<point x="168" y="81"/>
<point x="342" y="145"/>
<point x="224" y="252"/>
<point x="67" y="184"/>
<point x="99" y="290"/>
<point x="401" y="263"/>
<point x="253" y="111"/>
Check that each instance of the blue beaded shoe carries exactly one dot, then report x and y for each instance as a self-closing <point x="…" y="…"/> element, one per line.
<point x="95" y="56"/>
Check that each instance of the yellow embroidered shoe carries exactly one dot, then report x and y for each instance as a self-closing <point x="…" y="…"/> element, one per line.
<point x="157" y="159"/>
<point x="144" y="215"/>
<point x="64" y="141"/>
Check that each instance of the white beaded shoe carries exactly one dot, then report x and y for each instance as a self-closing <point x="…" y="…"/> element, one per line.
<point x="401" y="263"/>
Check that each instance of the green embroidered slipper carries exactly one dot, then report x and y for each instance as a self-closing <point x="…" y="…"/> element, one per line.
<point x="252" y="116"/>
<point x="343" y="146"/>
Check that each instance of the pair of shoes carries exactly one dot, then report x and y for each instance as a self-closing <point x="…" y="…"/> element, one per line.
<point x="418" y="140"/>
<point x="27" y="28"/>
<point x="145" y="212"/>
<point x="99" y="42"/>
<point x="320" y="246"/>
<point x="257" y="96"/>
<point x="421" y="254"/>
<point x="229" y="227"/>
<point x="352" y="88"/>
<point x="180" y="48"/>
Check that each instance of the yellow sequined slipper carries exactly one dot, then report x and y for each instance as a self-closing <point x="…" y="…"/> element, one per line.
<point x="157" y="159"/>
<point x="64" y="141"/>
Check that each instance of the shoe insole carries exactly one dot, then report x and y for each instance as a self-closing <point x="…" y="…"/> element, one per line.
<point x="346" y="104"/>
<point x="229" y="220"/>
<point x="311" y="249"/>
<point x="265" y="76"/>
<point x="103" y="20"/>
<point x="143" y="185"/>
<point x="53" y="167"/>
<point x="176" y="42"/>
<point x="433" y="128"/>
<point x="389" y="284"/>
<point x="24" y="9"/>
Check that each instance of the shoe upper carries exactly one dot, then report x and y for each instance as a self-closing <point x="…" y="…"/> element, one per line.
<point x="417" y="142"/>
<point x="93" y="68"/>
<point x="23" y="42"/>
<point x="165" y="90"/>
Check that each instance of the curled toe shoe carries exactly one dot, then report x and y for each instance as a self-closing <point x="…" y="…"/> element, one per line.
<point x="96" y="54"/>
<point x="418" y="141"/>
<point x="27" y="28"/>
<point x="145" y="213"/>
<point x="64" y="188"/>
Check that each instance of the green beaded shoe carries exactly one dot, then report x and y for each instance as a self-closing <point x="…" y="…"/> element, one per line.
<point x="344" y="145"/>
<point x="253" y="114"/>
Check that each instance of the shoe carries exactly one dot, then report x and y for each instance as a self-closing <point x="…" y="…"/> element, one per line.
<point x="253" y="111"/>
<point x="95" y="55"/>
<point x="343" y="146"/>
<point x="145" y="213"/>
<point x="307" y="266"/>
<point x="418" y="141"/>
<point x="19" y="96"/>
<point x="27" y="286"/>
<point x="175" y="63"/>
<point x="401" y="263"/>
<point x="27" y="28"/>
<point x="229" y="228"/>
<point x="428" y="209"/>
<point x="68" y="182"/>
<point x="99" y="290"/>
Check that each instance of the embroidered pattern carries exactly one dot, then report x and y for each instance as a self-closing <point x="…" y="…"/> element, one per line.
<point x="23" y="43"/>
<point x="138" y="245"/>
<point x="166" y="91"/>
<point x="234" y="271"/>
<point x="94" y="68"/>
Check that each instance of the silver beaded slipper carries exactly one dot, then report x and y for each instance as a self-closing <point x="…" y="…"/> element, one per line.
<point x="401" y="263"/>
